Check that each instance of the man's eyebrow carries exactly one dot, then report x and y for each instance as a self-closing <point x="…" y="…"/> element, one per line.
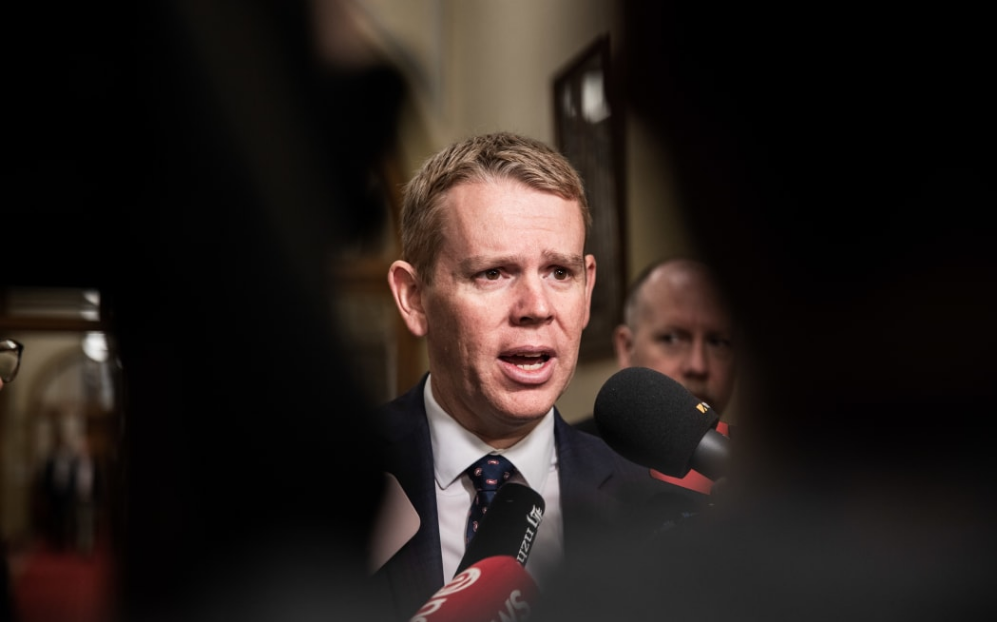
<point x="577" y="262"/>
<point x="475" y="263"/>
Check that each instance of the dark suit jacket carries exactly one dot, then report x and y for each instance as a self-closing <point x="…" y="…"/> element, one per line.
<point x="601" y="492"/>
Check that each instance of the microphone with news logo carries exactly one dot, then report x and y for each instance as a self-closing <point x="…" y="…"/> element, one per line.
<point x="509" y="527"/>
<point x="491" y="582"/>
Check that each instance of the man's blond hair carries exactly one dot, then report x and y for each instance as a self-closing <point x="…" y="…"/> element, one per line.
<point x="488" y="157"/>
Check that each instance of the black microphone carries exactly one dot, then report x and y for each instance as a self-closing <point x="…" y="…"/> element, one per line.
<point x="652" y="420"/>
<point x="508" y="528"/>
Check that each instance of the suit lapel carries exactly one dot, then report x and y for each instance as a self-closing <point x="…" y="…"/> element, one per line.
<point x="585" y="477"/>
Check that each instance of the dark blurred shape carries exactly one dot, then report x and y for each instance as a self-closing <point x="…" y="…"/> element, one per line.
<point x="199" y="165"/>
<point x="835" y="172"/>
<point x="832" y="161"/>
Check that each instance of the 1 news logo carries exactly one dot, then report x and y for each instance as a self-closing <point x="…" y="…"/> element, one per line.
<point x="533" y="518"/>
<point x="504" y="597"/>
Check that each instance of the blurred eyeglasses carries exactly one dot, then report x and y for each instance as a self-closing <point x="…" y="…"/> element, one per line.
<point x="10" y="359"/>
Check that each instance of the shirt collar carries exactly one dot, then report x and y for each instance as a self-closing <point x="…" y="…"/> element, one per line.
<point x="532" y="456"/>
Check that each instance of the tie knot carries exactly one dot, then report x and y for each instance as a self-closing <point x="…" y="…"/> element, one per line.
<point x="490" y="472"/>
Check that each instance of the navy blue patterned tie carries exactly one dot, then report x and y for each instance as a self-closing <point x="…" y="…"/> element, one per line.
<point x="487" y="474"/>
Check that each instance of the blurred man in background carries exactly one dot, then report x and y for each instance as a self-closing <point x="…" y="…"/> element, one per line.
<point x="677" y="321"/>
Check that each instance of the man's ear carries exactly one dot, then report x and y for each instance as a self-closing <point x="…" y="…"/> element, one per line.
<point x="589" y="287"/>
<point x="623" y="342"/>
<point x="407" y="290"/>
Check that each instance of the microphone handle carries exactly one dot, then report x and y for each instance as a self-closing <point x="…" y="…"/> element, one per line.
<point x="710" y="456"/>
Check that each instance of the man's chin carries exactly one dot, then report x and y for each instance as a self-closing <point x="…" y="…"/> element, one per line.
<point x="528" y="411"/>
<point x="523" y="404"/>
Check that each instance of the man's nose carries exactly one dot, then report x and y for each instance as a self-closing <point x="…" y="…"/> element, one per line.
<point x="696" y="361"/>
<point x="533" y="304"/>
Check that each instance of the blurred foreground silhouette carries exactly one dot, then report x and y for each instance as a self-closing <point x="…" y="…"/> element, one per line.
<point x="199" y="164"/>
<point x="831" y="163"/>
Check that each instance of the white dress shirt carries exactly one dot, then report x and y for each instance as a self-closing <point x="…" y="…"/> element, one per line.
<point x="455" y="449"/>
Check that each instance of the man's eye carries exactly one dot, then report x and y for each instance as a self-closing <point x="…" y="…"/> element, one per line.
<point x="561" y="273"/>
<point x="671" y="338"/>
<point x="721" y="345"/>
<point x="492" y="275"/>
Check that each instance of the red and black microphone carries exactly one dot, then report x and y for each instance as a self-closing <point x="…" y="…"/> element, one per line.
<point x="494" y="588"/>
<point x="491" y="582"/>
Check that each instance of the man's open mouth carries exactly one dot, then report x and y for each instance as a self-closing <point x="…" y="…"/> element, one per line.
<point x="527" y="362"/>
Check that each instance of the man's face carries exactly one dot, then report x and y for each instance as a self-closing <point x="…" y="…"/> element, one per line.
<point x="683" y="331"/>
<point x="509" y="300"/>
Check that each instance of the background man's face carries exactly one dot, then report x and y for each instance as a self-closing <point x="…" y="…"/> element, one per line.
<point x="683" y="331"/>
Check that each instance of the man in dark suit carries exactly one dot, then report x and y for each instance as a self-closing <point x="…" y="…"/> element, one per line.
<point x="494" y="276"/>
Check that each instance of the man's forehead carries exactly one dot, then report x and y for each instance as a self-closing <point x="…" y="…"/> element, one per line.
<point x="457" y="200"/>
<point x="683" y="307"/>
<point x="500" y="222"/>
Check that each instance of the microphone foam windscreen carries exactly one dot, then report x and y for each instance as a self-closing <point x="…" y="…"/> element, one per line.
<point x="652" y="420"/>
